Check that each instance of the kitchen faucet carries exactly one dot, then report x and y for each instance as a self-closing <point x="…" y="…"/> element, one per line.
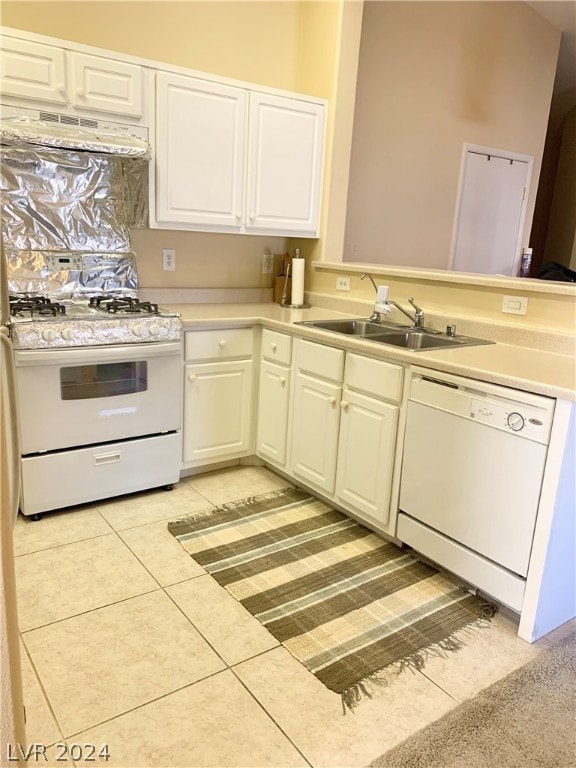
<point x="383" y="301"/>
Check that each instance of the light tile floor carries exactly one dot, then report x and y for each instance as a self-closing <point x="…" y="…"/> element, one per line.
<point x="129" y="646"/>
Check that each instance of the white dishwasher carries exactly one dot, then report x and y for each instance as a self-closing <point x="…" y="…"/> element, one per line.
<point x="472" y="470"/>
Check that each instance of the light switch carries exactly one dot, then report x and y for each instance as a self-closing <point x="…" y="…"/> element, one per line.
<point x="515" y="305"/>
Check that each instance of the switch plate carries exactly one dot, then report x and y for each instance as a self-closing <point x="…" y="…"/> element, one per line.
<point x="515" y="305"/>
<point x="267" y="264"/>
<point x="342" y="283"/>
<point x="168" y="259"/>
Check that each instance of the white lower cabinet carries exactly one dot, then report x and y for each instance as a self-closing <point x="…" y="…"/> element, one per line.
<point x="273" y="402"/>
<point x="316" y="418"/>
<point x="218" y="396"/>
<point x="366" y="450"/>
<point x="345" y="418"/>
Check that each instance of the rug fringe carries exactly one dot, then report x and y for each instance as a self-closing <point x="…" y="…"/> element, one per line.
<point x="233" y="506"/>
<point x="416" y="662"/>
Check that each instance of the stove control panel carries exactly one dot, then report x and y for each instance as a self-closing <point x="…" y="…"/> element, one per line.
<point x="93" y="332"/>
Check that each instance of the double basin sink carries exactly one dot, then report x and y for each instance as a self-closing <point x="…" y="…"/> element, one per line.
<point x="405" y="337"/>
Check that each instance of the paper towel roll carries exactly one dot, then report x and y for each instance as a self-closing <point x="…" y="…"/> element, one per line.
<point x="298" y="281"/>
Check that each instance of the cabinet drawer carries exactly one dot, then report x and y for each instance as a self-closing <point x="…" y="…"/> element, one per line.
<point x="326" y="362"/>
<point x="99" y="472"/>
<point x="219" y="345"/>
<point x="376" y="377"/>
<point x="276" y="347"/>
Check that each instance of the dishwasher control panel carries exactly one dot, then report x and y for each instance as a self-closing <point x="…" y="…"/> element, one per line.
<point x="521" y="413"/>
<point x="514" y="417"/>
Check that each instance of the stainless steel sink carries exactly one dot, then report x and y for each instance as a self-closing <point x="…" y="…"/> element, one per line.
<point x="416" y="340"/>
<point x="396" y="335"/>
<point x="356" y="327"/>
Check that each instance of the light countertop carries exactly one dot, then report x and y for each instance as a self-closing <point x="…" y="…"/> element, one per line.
<point x="531" y="370"/>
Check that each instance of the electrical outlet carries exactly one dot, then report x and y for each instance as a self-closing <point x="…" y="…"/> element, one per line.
<point x="267" y="264"/>
<point x="515" y="305"/>
<point x="342" y="283"/>
<point x="168" y="259"/>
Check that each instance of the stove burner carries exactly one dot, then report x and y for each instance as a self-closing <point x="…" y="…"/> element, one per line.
<point x="34" y="305"/>
<point x="114" y="304"/>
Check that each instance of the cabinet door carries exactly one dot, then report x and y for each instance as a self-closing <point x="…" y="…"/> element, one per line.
<point x="32" y="71"/>
<point x="315" y="431"/>
<point x="217" y="411"/>
<point x="366" y="454"/>
<point x="273" y="401"/>
<point x="104" y="85"/>
<point x="285" y="165"/>
<point x="201" y="133"/>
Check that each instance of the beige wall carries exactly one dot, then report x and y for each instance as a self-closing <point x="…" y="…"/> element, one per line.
<point x="433" y="75"/>
<point x="253" y="41"/>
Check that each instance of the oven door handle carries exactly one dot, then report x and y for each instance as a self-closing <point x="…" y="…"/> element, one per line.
<point x="102" y="354"/>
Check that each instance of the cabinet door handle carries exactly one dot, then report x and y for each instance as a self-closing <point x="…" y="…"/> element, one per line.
<point x="252" y="216"/>
<point x="61" y="88"/>
<point x="282" y="381"/>
<point x="222" y="343"/>
<point x="80" y="93"/>
<point x="344" y="404"/>
<point x="191" y="377"/>
<point x="273" y="347"/>
<point x="238" y="214"/>
<point x="332" y="401"/>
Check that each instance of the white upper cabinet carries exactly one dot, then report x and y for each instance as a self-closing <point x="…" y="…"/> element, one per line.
<point x="105" y="85"/>
<point x="31" y="70"/>
<point x="200" y="141"/>
<point x="284" y="164"/>
<point x="69" y="80"/>
<point x="230" y="159"/>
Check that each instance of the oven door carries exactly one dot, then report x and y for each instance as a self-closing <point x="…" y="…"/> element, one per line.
<point x="90" y="395"/>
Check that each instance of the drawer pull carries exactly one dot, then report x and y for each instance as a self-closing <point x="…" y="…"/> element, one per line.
<point x="222" y="343"/>
<point x="106" y="458"/>
<point x="273" y="347"/>
<point x="191" y="377"/>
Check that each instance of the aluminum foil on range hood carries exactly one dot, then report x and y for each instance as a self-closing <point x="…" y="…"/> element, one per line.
<point x="69" y="198"/>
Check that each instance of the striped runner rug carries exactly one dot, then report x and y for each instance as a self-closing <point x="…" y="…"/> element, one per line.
<point x="344" y="602"/>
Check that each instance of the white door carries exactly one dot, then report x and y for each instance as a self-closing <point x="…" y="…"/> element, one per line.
<point x="201" y="133"/>
<point x="366" y="454"/>
<point x="32" y="71"/>
<point x="273" y="411"/>
<point x="491" y="212"/>
<point x="104" y="85"/>
<point x="217" y="410"/>
<point x="284" y="165"/>
<point x="316" y="418"/>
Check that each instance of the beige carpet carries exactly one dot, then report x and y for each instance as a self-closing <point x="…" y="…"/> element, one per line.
<point x="526" y="720"/>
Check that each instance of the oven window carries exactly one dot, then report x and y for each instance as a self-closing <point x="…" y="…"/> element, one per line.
<point x="80" y="382"/>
